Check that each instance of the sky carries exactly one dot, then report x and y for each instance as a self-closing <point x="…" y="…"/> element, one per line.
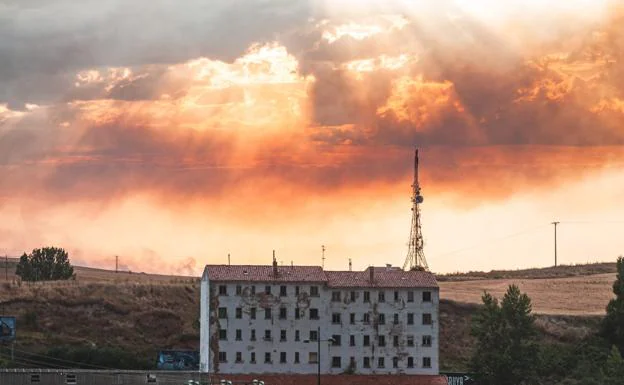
<point x="173" y="135"/>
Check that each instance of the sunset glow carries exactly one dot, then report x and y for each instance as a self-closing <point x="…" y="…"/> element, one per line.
<point x="290" y="133"/>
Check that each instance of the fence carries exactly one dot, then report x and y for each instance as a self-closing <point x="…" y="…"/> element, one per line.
<point x="107" y="377"/>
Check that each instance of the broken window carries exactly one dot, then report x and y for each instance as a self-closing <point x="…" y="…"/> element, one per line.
<point x="253" y="335"/>
<point x="395" y="341"/>
<point x="366" y="318"/>
<point x="267" y="335"/>
<point x="239" y="334"/>
<point x="351" y="340"/>
<point x="296" y="357"/>
<point x="396" y="318"/>
<point x="382" y="319"/>
<point x="426" y="362"/>
<point x="297" y="313"/>
<point x="336" y="318"/>
<point x="335" y="296"/>
<point x="381" y="362"/>
<point x="267" y="358"/>
<point x="222" y="290"/>
<point x="313" y="357"/>
<point x="366" y="341"/>
<point x="410" y="318"/>
<point x="267" y="313"/>
<point x="410" y="296"/>
<point x="396" y="296"/>
<point x="410" y="341"/>
<point x="336" y="362"/>
<point x="267" y="289"/>
<point x="314" y="314"/>
<point x="283" y="291"/>
<point x="352" y="318"/>
<point x="314" y="291"/>
<point x="297" y="290"/>
<point x="367" y="296"/>
<point x="313" y="335"/>
<point x="426" y="341"/>
<point x="282" y="314"/>
<point x="366" y="363"/>
<point x="252" y="313"/>
<point x="426" y="319"/>
<point x="222" y="357"/>
<point x="253" y="357"/>
<point x="382" y="340"/>
<point x="282" y="335"/>
<point x="336" y="340"/>
<point x="353" y="296"/>
<point x="223" y="334"/>
<point x="426" y="296"/>
<point x="296" y="335"/>
<point x="239" y="289"/>
<point x="282" y="357"/>
<point x="223" y="312"/>
<point x="410" y="362"/>
<point x="395" y="362"/>
<point x="239" y="313"/>
<point x="382" y="296"/>
<point x="239" y="357"/>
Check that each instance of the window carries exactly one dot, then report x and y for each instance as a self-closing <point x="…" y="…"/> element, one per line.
<point x="282" y="335"/>
<point x="335" y="296"/>
<point x="297" y="335"/>
<point x="239" y="313"/>
<point x="239" y="357"/>
<point x="223" y="312"/>
<point x="283" y="291"/>
<point x="71" y="379"/>
<point x="352" y="295"/>
<point x="426" y="362"/>
<point x="336" y="318"/>
<point x="395" y="362"/>
<point x="314" y="291"/>
<point x="396" y="296"/>
<point x="395" y="341"/>
<point x="426" y="296"/>
<point x="223" y="334"/>
<point x="267" y="335"/>
<point x="313" y="357"/>
<point x="282" y="313"/>
<point x="253" y="292"/>
<point x="253" y="335"/>
<point x="382" y="340"/>
<point x="267" y="289"/>
<point x="337" y="340"/>
<point x="410" y="318"/>
<point x="239" y="289"/>
<point x="252" y="313"/>
<point x="35" y="378"/>
<point x="267" y="358"/>
<point x="410" y="362"/>
<point x="426" y="319"/>
<point x="410" y="341"/>
<point x="282" y="357"/>
<point x="367" y="296"/>
<point x="366" y="318"/>
<point x="314" y="314"/>
<point x="352" y="318"/>
<point x="351" y="340"/>
<point x="410" y="296"/>
<point x="336" y="362"/>
<point x="222" y="290"/>
<point x="239" y="334"/>
<point x="366" y="341"/>
<point x="267" y="313"/>
<point x="426" y="341"/>
<point x="381" y="362"/>
<point x="297" y="313"/>
<point x="222" y="357"/>
<point x="382" y="319"/>
<point x="297" y="290"/>
<point x="253" y="357"/>
<point x="396" y="318"/>
<point x="366" y="362"/>
<point x="313" y="335"/>
<point x="296" y="357"/>
<point x="382" y="296"/>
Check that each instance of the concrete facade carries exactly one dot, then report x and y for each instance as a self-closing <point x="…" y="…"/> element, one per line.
<point x="265" y="319"/>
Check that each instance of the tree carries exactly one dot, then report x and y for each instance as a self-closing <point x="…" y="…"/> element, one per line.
<point x="506" y="352"/>
<point x="46" y="264"/>
<point x="614" y="368"/>
<point x="613" y="323"/>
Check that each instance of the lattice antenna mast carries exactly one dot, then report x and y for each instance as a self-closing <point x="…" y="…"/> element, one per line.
<point x="415" y="253"/>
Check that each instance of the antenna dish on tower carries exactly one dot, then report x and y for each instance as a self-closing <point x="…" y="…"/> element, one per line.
<point x="415" y="259"/>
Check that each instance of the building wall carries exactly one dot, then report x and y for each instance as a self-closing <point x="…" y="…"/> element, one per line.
<point x="204" y="330"/>
<point x="326" y="307"/>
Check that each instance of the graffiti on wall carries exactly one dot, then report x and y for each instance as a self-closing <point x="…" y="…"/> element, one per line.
<point x="7" y="328"/>
<point x="178" y="360"/>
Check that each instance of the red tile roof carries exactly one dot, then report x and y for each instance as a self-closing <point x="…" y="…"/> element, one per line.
<point x="382" y="276"/>
<point x="263" y="273"/>
<point x="340" y="379"/>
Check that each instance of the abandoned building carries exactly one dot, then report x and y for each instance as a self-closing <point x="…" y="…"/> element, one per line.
<point x="300" y="319"/>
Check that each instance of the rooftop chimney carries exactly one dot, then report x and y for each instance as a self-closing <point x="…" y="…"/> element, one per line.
<point x="274" y="265"/>
<point x="371" y="270"/>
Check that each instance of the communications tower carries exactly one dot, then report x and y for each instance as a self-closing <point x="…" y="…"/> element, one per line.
<point x="415" y="254"/>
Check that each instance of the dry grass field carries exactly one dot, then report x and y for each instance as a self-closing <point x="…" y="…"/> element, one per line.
<point x="581" y="295"/>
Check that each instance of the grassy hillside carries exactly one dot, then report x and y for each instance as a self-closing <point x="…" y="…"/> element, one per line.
<point x="561" y="271"/>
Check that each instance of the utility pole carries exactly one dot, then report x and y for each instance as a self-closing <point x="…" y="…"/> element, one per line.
<point x="555" y="223"/>
<point x="116" y="263"/>
<point x="6" y="267"/>
<point x="322" y="256"/>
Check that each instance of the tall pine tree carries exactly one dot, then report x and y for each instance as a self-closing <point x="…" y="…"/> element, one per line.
<point x="613" y="323"/>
